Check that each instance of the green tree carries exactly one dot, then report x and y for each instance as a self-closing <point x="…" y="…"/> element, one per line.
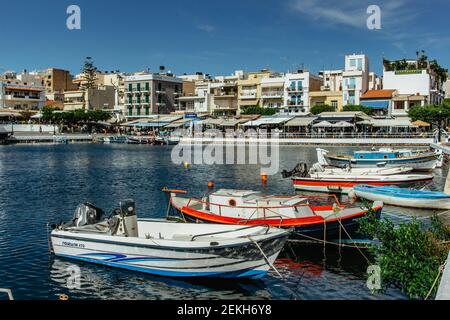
<point x="89" y="76"/>
<point x="435" y="114"/>
<point x="319" y="108"/>
<point x="360" y="108"/>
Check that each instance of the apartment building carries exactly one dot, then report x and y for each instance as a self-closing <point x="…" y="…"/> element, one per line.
<point x="355" y="78"/>
<point x="297" y="89"/>
<point x="332" y="80"/>
<point x="149" y="94"/>
<point x="19" y="95"/>
<point x="375" y="82"/>
<point x="100" y="98"/>
<point x="447" y="89"/>
<point x="249" y="89"/>
<point x="326" y="97"/>
<point x="272" y="92"/>
<point x="416" y="83"/>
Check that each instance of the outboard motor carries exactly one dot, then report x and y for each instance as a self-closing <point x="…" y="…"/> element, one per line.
<point x="86" y="214"/>
<point x="128" y="220"/>
<point x="300" y="170"/>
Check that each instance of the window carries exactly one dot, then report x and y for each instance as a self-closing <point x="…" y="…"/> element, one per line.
<point x="147" y="86"/>
<point x="138" y="111"/>
<point x="130" y="111"/>
<point x="352" y="62"/>
<point x="300" y="85"/>
<point x="147" y="111"/>
<point x="334" y="104"/>
<point x="138" y="87"/>
<point x="130" y="87"/>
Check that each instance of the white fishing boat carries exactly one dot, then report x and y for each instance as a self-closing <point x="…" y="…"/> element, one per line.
<point x="402" y="197"/>
<point x="167" y="248"/>
<point x="319" y="171"/>
<point x="339" y="181"/>
<point x="418" y="160"/>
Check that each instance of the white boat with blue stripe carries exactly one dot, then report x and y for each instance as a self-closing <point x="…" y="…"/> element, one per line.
<point x="167" y="248"/>
<point x="404" y="197"/>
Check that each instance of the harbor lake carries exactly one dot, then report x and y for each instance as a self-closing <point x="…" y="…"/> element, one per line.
<point x="43" y="184"/>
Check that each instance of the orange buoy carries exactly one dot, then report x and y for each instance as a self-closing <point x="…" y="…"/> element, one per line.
<point x="210" y="184"/>
<point x="264" y="178"/>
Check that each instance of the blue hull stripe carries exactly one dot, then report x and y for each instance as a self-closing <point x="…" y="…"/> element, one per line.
<point x="246" y="273"/>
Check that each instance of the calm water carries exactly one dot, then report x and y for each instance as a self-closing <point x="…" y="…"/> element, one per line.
<point x="44" y="183"/>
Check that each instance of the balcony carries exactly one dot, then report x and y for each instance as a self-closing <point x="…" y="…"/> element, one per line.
<point x="292" y="89"/>
<point x="272" y="94"/>
<point x="160" y="91"/>
<point x="351" y="87"/>
<point x="248" y="95"/>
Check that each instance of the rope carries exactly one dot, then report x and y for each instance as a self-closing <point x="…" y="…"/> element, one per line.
<point x="327" y="242"/>
<point x="265" y="257"/>
<point x="441" y="269"/>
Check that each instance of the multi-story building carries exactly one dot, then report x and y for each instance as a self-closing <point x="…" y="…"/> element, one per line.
<point x="272" y="92"/>
<point x="375" y="82"/>
<point x="57" y="80"/>
<point x="18" y="95"/>
<point x="100" y="98"/>
<point x="447" y="89"/>
<point x="115" y="79"/>
<point x="332" y="80"/>
<point x="416" y="83"/>
<point x="297" y="89"/>
<point x="249" y="89"/>
<point x="330" y="98"/>
<point x="355" y="78"/>
<point x="150" y="94"/>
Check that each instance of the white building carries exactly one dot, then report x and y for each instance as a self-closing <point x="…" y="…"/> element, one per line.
<point x="297" y="87"/>
<point x="18" y="95"/>
<point x="332" y="80"/>
<point x="272" y="92"/>
<point x="375" y="82"/>
<point x="415" y="82"/>
<point x="447" y="89"/>
<point x="355" y="78"/>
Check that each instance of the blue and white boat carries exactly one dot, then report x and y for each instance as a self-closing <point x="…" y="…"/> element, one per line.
<point x="404" y="197"/>
<point x="422" y="161"/>
<point x="166" y="248"/>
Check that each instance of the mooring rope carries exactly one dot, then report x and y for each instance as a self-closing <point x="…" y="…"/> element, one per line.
<point x="441" y="269"/>
<point x="265" y="257"/>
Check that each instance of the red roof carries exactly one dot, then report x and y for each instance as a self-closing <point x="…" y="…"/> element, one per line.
<point x="378" y="94"/>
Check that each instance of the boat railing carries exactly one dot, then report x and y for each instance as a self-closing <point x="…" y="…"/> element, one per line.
<point x="245" y="221"/>
<point x="230" y="231"/>
<point x="192" y="201"/>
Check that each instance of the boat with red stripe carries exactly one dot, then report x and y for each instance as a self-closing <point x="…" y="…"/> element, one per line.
<point x="312" y="217"/>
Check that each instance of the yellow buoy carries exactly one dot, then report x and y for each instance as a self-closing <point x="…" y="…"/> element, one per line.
<point x="186" y="165"/>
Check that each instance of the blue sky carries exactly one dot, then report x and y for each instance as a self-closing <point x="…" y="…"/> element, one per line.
<point x="218" y="37"/>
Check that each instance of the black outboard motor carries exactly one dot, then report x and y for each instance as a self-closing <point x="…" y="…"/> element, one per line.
<point x="300" y="170"/>
<point x="86" y="214"/>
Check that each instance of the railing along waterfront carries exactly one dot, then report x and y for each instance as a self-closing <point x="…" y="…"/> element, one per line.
<point x="288" y="135"/>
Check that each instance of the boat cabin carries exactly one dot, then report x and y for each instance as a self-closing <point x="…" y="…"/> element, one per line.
<point x="375" y="155"/>
<point x="252" y="204"/>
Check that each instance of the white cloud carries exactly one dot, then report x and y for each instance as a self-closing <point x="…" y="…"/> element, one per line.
<point x="206" y="27"/>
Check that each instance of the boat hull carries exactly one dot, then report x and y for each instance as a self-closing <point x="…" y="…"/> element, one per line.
<point x="313" y="228"/>
<point x="344" y="185"/>
<point x="426" y="163"/>
<point x="237" y="260"/>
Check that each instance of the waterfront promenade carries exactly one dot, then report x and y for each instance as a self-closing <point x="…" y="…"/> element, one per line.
<point x="444" y="287"/>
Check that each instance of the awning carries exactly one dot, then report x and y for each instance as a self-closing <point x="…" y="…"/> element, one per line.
<point x="179" y="123"/>
<point x="421" y="123"/>
<point x="343" y="118"/>
<point x="232" y="122"/>
<point x="272" y="85"/>
<point x="366" y="122"/>
<point x="300" y="122"/>
<point x="342" y="124"/>
<point x="397" y="122"/>
<point x="267" y="121"/>
<point x="36" y="116"/>
<point x="376" y="104"/>
<point x="323" y="124"/>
